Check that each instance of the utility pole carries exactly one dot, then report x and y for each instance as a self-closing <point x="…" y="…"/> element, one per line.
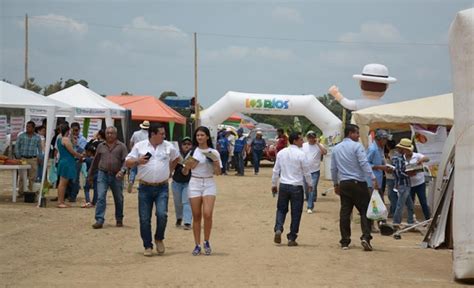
<point x="196" y="102"/>
<point x="26" y="51"/>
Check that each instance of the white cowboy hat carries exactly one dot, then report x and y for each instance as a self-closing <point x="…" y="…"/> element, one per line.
<point x="145" y="124"/>
<point x="375" y="73"/>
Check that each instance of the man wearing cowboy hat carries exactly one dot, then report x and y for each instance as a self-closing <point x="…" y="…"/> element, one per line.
<point x="402" y="182"/>
<point x="137" y="136"/>
<point x="374" y="82"/>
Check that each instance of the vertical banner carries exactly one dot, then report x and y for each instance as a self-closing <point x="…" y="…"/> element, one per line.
<point x="3" y="134"/>
<point x="430" y="142"/>
<point x="17" y="125"/>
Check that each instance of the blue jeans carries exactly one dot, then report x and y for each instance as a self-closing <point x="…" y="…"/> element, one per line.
<point x="312" y="196"/>
<point x="224" y="160"/>
<point x="182" y="207"/>
<point x="256" y="156"/>
<point x="239" y="162"/>
<point x="392" y="196"/>
<point x="147" y="195"/>
<point x="293" y="195"/>
<point x="104" y="181"/>
<point x="132" y="175"/>
<point x="87" y="188"/>
<point x="403" y="199"/>
<point x="420" y="190"/>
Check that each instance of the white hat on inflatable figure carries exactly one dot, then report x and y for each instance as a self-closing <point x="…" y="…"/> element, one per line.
<point x="373" y="80"/>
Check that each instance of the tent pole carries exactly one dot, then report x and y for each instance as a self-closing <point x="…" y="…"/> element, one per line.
<point x="85" y="127"/>
<point x="171" y="125"/>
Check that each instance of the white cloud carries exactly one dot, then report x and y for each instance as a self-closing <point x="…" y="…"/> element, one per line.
<point x="140" y="26"/>
<point x="373" y="32"/>
<point x="58" y="23"/>
<point x="287" y="14"/>
<point x="235" y="53"/>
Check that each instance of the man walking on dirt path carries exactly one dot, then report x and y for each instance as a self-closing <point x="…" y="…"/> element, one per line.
<point x="349" y="171"/>
<point x="290" y="166"/>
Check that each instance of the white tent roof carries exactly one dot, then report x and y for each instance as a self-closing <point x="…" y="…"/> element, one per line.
<point x="87" y="103"/>
<point x="436" y="110"/>
<point x="12" y="96"/>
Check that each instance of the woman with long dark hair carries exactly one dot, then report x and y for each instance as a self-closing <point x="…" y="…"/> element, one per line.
<point x="66" y="164"/>
<point x="202" y="187"/>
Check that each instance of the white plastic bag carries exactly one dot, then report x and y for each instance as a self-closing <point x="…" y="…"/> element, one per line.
<point x="376" y="209"/>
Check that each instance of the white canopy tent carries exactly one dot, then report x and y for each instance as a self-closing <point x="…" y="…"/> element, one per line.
<point x="88" y="104"/>
<point x="435" y="110"/>
<point x="12" y="96"/>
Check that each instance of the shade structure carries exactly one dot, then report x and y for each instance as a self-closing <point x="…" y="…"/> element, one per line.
<point x="436" y="110"/>
<point x="148" y="108"/>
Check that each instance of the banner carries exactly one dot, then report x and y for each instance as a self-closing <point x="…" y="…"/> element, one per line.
<point x="430" y="142"/>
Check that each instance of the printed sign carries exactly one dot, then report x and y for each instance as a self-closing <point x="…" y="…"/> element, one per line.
<point x="430" y="142"/>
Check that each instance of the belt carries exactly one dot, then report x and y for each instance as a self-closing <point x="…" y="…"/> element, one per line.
<point x="28" y="157"/>
<point x="201" y="177"/>
<point x="353" y="181"/>
<point x="141" y="182"/>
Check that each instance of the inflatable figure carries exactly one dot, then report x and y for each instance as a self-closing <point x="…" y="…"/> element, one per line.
<point x="374" y="82"/>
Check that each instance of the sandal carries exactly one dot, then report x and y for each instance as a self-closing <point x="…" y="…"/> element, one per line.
<point x="87" y="205"/>
<point x="63" y="206"/>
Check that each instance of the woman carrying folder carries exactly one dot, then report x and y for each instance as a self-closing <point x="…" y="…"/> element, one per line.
<point x="202" y="187"/>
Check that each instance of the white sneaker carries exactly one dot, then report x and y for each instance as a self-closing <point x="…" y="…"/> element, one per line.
<point x="310" y="211"/>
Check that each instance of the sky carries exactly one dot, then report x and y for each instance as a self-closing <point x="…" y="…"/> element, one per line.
<point x="270" y="47"/>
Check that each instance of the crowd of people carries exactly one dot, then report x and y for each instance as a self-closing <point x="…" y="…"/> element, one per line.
<point x="192" y="165"/>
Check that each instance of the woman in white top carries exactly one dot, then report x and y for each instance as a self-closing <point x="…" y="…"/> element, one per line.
<point x="202" y="188"/>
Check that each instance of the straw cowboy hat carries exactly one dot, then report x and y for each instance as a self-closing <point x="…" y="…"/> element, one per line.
<point x="375" y="73"/>
<point x="145" y="124"/>
<point x="405" y="143"/>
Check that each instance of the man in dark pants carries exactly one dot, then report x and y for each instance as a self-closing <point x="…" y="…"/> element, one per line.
<point x="290" y="166"/>
<point x="349" y="171"/>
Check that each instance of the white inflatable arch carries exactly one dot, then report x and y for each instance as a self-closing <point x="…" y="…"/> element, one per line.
<point x="305" y="105"/>
<point x="461" y="46"/>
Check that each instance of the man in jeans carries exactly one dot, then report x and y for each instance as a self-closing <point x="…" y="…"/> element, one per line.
<point x="349" y="171"/>
<point x="110" y="160"/>
<point x="314" y="152"/>
<point x="155" y="158"/>
<point x="290" y="166"/>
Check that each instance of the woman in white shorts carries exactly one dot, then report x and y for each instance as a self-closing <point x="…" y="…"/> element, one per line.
<point x="202" y="188"/>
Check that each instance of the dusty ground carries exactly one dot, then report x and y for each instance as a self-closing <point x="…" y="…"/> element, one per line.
<point x="50" y="247"/>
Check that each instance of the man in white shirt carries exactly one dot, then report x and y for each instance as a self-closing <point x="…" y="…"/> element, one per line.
<point x="313" y="151"/>
<point x="155" y="158"/>
<point x="290" y="165"/>
<point x="137" y="136"/>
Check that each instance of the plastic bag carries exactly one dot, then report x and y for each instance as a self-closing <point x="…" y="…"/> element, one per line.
<point x="376" y="209"/>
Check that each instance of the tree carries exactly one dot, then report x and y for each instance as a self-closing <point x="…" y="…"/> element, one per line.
<point x="32" y="86"/>
<point x="126" y="93"/>
<point x="53" y="88"/>
<point x="72" y="82"/>
<point x="167" y="94"/>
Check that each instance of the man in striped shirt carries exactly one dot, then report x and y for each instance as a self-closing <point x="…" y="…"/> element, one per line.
<point x="27" y="148"/>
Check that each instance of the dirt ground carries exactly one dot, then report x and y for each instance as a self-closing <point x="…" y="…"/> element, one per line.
<point x="50" y="247"/>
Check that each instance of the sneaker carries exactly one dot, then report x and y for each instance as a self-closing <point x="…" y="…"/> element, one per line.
<point x="148" y="252"/>
<point x="97" y="225"/>
<point x="119" y="223"/>
<point x="207" y="248"/>
<point x="160" y="246"/>
<point x="256" y="173"/>
<point x="292" y="243"/>
<point x="366" y="245"/>
<point x="277" y="238"/>
<point x="197" y="250"/>
<point x="129" y="188"/>
<point x="310" y="211"/>
<point x="187" y="226"/>
<point x="178" y="222"/>
<point x="345" y="247"/>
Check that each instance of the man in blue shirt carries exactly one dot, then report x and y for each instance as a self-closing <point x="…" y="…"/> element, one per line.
<point x="349" y="171"/>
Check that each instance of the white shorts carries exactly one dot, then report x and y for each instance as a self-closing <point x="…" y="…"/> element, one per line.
<point x="199" y="187"/>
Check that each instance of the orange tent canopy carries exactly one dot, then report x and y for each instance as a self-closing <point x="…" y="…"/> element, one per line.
<point x="148" y="108"/>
